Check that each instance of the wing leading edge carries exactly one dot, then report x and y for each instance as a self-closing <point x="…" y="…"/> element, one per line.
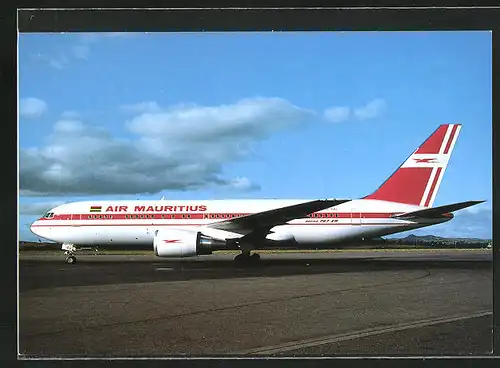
<point x="268" y="219"/>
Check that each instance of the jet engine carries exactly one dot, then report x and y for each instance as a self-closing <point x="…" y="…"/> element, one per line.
<point x="184" y="243"/>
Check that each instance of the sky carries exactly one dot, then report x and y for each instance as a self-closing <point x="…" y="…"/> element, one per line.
<point x="250" y="115"/>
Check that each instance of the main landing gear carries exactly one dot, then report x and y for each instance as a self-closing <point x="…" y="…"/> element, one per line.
<point x="246" y="258"/>
<point x="70" y="250"/>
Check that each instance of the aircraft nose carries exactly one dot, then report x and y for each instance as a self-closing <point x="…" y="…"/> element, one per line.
<point x="35" y="229"/>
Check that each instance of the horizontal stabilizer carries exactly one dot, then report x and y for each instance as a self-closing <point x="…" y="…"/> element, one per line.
<point x="437" y="211"/>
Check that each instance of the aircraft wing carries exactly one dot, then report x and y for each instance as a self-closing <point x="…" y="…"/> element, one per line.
<point x="437" y="211"/>
<point x="268" y="219"/>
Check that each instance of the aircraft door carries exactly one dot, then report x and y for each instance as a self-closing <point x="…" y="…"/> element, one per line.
<point x="355" y="216"/>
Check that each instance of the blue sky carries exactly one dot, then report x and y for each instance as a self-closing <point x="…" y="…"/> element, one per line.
<point x="245" y="115"/>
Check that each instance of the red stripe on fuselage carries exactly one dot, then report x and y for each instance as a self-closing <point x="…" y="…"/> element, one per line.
<point x="201" y="216"/>
<point x="197" y="224"/>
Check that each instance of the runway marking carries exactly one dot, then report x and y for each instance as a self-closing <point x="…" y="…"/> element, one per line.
<point x="164" y="269"/>
<point x="290" y="346"/>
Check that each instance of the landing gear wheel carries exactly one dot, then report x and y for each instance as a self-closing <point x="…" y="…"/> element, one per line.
<point x="238" y="258"/>
<point x="247" y="259"/>
<point x="255" y="257"/>
<point x="70" y="259"/>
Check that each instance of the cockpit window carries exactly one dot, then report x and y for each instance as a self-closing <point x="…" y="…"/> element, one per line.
<point x="49" y="215"/>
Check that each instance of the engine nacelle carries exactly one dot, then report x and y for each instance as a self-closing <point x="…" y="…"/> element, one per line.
<point x="281" y="236"/>
<point x="184" y="243"/>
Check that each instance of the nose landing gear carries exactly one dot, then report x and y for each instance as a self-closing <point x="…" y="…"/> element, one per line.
<point x="70" y="259"/>
<point x="70" y="250"/>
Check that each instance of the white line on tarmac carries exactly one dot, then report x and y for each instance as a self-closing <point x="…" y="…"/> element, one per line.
<point x="359" y="334"/>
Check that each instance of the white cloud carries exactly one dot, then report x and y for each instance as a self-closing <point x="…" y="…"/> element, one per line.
<point x="88" y="38"/>
<point x="249" y="117"/>
<point x="371" y="110"/>
<point x="31" y="107"/>
<point x="56" y="62"/>
<point x="147" y="106"/>
<point x="485" y="206"/>
<point x="69" y="126"/>
<point x="81" y="51"/>
<point x="70" y="114"/>
<point x="242" y="183"/>
<point x="337" y="114"/>
<point x="181" y="147"/>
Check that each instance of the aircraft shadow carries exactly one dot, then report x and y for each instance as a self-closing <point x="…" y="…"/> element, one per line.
<point x="36" y="274"/>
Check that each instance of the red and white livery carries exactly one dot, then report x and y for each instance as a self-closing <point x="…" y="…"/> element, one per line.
<point x="189" y="228"/>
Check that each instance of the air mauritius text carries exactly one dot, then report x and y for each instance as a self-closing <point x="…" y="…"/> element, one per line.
<point x="158" y="208"/>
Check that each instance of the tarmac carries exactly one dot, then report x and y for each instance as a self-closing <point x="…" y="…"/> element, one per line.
<point x="347" y="303"/>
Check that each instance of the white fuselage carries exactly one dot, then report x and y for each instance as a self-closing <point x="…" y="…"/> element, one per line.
<point x="134" y="222"/>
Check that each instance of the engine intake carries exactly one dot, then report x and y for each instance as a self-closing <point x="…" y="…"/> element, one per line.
<point x="184" y="243"/>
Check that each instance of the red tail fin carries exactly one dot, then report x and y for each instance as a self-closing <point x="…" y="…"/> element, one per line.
<point x="418" y="179"/>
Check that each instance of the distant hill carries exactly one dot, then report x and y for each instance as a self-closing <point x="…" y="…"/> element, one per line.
<point x="412" y="241"/>
<point x="437" y="239"/>
<point x="37" y="245"/>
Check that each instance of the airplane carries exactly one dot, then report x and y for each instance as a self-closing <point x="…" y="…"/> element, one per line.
<point x="186" y="228"/>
